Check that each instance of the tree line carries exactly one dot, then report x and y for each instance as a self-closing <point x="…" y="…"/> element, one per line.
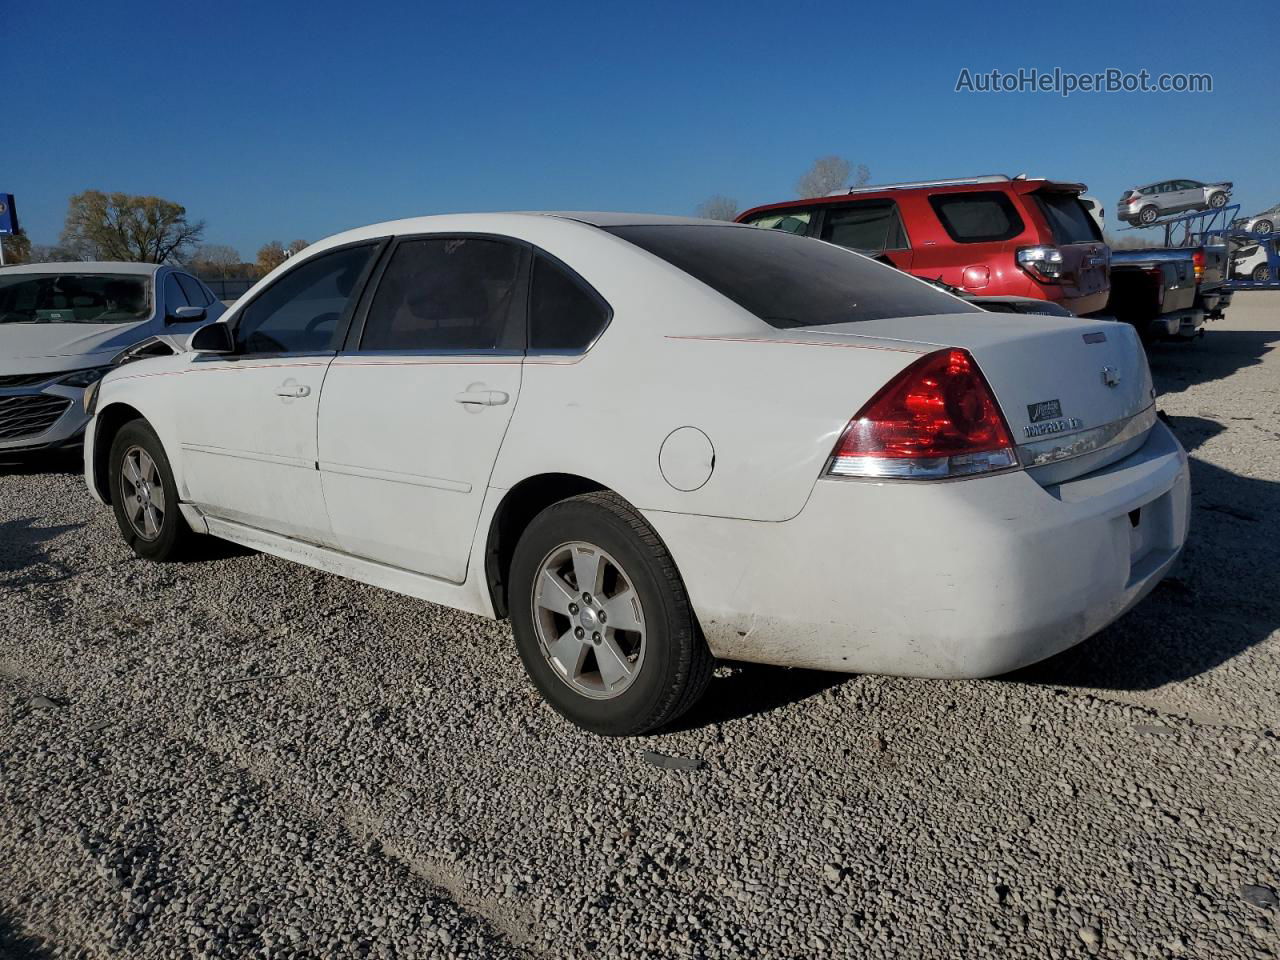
<point x="143" y="229"/>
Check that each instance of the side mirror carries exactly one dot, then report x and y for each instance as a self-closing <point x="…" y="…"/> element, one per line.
<point x="214" y="338"/>
<point x="186" y="315"/>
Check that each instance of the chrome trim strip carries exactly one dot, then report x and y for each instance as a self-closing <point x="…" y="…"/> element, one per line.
<point x="1059" y="448"/>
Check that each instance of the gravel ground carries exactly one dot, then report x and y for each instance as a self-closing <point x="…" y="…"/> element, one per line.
<point x="240" y="757"/>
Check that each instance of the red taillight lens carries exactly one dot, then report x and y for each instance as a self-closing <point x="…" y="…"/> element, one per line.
<point x="937" y="418"/>
<point x="1197" y="261"/>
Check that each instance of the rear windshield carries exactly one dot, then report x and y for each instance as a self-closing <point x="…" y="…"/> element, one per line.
<point x="1069" y="219"/>
<point x="790" y="281"/>
<point x="985" y="216"/>
<point x="73" y="298"/>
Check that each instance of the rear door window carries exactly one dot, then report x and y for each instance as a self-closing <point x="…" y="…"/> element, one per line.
<point x="789" y="281"/>
<point x="447" y="293"/>
<point x="1069" y="221"/>
<point x="791" y="221"/>
<point x="866" y="225"/>
<point x="979" y="217"/>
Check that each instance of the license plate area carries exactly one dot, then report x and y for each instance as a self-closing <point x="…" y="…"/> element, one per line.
<point x="1151" y="535"/>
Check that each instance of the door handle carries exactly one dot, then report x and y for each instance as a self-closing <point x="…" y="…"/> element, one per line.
<point x="290" y="389"/>
<point x="484" y="398"/>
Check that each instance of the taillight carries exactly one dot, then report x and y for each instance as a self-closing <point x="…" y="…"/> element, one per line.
<point x="937" y="418"/>
<point x="1197" y="260"/>
<point x="1044" y="263"/>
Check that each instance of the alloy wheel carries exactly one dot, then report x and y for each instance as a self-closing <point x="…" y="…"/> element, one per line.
<point x="143" y="493"/>
<point x="588" y="619"/>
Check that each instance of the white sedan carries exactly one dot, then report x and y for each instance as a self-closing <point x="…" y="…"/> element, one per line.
<point x="652" y="441"/>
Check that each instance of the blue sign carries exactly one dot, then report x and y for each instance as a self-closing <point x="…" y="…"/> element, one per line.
<point x="8" y="215"/>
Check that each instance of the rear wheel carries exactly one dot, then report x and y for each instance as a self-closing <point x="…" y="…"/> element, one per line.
<point x="602" y="620"/>
<point x="1148" y="215"/>
<point x="1218" y="199"/>
<point x="144" y="495"/>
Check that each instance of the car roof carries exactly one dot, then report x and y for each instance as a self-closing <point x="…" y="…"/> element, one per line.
<point x="84" y="266"/>
<point x="607" y="219"/>
<point x="504" y="222"/>
<point x="873" y="192"/>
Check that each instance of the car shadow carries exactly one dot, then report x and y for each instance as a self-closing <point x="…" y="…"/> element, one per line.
<point x="1178" y="365"/>
<point x="1220" y="601"/>
<point x="22" y="552"/>
<point x="741" y="690"/>
<point x="15" y="945"/>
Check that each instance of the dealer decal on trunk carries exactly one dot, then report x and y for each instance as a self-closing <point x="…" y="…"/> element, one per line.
<point x="1046" y="417"/>
<point x="1044" y="410"/>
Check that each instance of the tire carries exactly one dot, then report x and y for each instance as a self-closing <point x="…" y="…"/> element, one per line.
<point x="667" y="662"/>
<point x="153" y="527"/>
<point x="1217" y="200"/>
<point x="1261" y="273"/>
<point x="1263" y="226"/>
<point x="1148" y="215"/>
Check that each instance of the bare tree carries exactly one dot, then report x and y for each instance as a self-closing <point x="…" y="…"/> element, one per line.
<point x="270" y="256"/>
<point x="717" y="207"/>
<point x="295" y="246"/>
<point x="48" y="253"/>
<point x="216" y="259"/>
<point x="828" y="174"/>
<point x="118" y="226"/>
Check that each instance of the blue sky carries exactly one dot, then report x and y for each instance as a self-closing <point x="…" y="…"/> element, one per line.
<point x="275" y="121"/>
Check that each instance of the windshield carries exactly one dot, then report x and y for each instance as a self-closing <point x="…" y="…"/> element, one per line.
<point x="790" y="281"/>
<point x="74" y="298"/>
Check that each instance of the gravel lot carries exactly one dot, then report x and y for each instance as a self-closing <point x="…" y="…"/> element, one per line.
<point x="239" y="757"/>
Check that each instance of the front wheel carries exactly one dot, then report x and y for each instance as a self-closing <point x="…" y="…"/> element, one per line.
<point x="1217" y="200"/>
<point x="602" y="620"/>
<point x="1263" y="226"/>
<point x="144" y="495"/>
<point x="1262" y="273"/>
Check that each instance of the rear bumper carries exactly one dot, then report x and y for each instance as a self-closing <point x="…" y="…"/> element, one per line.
<point x="965" y="579"/>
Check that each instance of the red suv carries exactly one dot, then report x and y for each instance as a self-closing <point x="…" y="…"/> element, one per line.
<point x="992" y="236"/>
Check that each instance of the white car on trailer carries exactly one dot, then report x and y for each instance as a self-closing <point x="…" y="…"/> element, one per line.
<point x="650" y="441"/>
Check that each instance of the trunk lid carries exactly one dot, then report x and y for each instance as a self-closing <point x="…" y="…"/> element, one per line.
<point x="1057" y="380"/>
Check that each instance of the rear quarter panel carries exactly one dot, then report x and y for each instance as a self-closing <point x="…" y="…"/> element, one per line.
<point x="678" y="354"/>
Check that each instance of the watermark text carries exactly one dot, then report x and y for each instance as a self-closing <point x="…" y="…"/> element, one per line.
<point x="1065" y="82"/>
